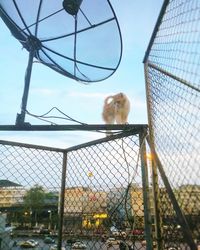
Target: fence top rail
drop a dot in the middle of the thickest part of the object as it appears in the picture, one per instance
(74, 127)
(129, 129)
(26, 145)
(139, 129)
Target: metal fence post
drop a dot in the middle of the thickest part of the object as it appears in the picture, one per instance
(146, 198)
(156, 202)
(158, 23)
(155, 186)
(62, 199)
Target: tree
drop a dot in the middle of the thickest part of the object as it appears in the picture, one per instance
(34, 201)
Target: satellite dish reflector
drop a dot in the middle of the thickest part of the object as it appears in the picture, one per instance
(80, 39)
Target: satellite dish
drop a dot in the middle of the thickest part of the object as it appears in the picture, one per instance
(80, 39)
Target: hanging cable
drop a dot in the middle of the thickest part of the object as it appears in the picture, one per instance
(46, 116)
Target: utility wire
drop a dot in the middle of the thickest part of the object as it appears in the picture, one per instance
(46, 116)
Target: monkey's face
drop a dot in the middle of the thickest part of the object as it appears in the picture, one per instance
(119, 100)
(118, 104)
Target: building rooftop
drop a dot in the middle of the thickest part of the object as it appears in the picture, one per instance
(7, 183)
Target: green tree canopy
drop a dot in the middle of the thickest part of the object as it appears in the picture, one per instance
(34, 200)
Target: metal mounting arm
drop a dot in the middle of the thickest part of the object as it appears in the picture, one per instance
(21, 117)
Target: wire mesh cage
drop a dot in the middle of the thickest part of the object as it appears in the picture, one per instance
(106, 194)
(30, 186)
(88, 196)
(104, 179)
(173, 93)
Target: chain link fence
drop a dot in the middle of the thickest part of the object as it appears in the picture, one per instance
(173, 91)
(106, 194)
(92, 193)
(30, 184)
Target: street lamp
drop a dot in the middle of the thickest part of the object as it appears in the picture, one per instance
(149, 156)
(50, 214)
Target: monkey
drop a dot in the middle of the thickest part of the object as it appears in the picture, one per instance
(116, 109)
(122, 108)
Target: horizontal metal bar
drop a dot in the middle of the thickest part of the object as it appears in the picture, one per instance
(76, 127)
(138, 129)
(186, 83)
(108, 138)
(130, 130)
(26, 145)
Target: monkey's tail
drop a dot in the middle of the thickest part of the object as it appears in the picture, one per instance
(107, 98)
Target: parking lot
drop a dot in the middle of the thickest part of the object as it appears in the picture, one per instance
(91, 244)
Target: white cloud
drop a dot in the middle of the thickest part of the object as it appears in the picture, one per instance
(89, 95)
(64, 139)
(45, 91)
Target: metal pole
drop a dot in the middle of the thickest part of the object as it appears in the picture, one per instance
(159, 20)
(155, 186)
(176, 78)
(62, 201)
(21, 117)
(145, 184)
(127, 128)
(156, 202)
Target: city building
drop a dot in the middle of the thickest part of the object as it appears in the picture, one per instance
(11, 194)
(84, 207)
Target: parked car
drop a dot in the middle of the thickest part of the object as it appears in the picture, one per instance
(55, 247)
(34, 242)
(138, 232)
(54, 233)
(28, 243)
(111, 242)
(119, 233)
(78, 245)
(49, 240)
(104, 237)
(71, 241)
(116, 233)
(36, 230)
(173, 248)
(144, 243)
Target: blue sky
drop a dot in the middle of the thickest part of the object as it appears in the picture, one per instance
(82, 102)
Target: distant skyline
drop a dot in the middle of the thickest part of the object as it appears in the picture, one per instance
(82, 102)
